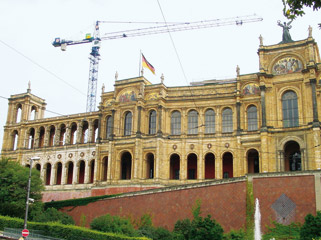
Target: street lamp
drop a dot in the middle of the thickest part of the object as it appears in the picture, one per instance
(28, 190)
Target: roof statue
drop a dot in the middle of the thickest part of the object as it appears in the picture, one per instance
(261, 40)
(237, 70)
(286, 37)
(310, 31)
(116, 76)
(29, 87)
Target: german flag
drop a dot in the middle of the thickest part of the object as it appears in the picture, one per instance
(146, 64)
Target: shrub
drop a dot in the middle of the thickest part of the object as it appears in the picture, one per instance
(311, 227)
(53, 215)
(205, 229)
(115, 224)
(183, 227)
(235, 235)
(67, 232)
(280, 231)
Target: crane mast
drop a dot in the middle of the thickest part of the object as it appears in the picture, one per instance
(94, 56)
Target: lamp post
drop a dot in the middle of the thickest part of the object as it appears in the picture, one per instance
(28, 190)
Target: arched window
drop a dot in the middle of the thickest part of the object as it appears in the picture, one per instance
(252, 118)
(290, 109)
(152, 122)
(33, 113)
(62, 135)
(41, 136)
(176, 123)
(227, 120)
(128, 124)
(94, 134)
(31, 139)
(52, 132)
(108, 127)
(18, 113)
(210, 121)
(192, 122)
(73, 134)
(84, 133)
(15, 138)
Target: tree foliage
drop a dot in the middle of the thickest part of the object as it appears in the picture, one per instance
(294, 8)
(114, 224)
(311, 228)
(13, 191)
(280, 231)
(199, 228)
(53, 215)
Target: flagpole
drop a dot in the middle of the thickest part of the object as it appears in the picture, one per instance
(140, 63)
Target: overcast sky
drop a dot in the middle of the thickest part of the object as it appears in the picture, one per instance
(28, 27)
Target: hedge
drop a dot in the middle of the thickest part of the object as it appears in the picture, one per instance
(76, 202)
(67, 232)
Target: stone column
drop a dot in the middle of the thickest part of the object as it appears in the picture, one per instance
(109, 166)
(53, 174)
(57, 135)
(159, 112)
(280, 161)
(68, 133)
(64, 174)
(36, 141)
(75, 173)
(90, 131)
(304, 161)
(157, 159)
(263, 127)
(314, 102)
(87, 168)
(139, 133)
(238, 118)
(43, 173)
(79, 132)
(97, 164)
(99, 129)
(112, 135)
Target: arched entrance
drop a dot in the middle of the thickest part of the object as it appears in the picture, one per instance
(70, 172)
(227, 165)
(292, 156)
(48, 173)
(253, 163)
(192, 166)
(150, 166)
(209, 166)
(105, 168)
(174, 166)
(92, 171)
(59, 173)
(81, 175)
(126, 165)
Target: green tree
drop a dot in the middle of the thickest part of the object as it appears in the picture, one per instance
(199, 228)
(13, 191)
(294, 8)
(206, 229)
(53, 215)
(311, 228)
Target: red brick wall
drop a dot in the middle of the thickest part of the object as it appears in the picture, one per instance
(64, 195)
(300, 189)
(224, 202)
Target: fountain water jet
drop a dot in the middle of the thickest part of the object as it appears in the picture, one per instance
(257, 221)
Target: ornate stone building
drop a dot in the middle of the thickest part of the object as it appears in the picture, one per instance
(149, 135)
